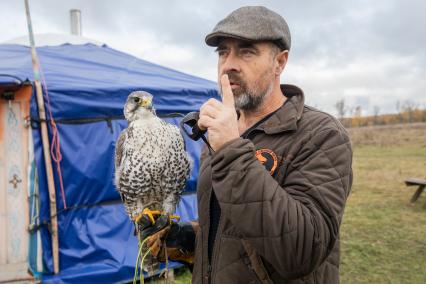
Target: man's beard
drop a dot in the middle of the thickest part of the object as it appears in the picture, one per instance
(250, 99)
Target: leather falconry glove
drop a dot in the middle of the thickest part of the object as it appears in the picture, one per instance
(175, 242)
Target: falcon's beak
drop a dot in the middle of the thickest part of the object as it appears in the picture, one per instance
(145, 103)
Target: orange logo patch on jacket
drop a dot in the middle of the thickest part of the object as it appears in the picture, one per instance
(268, 158)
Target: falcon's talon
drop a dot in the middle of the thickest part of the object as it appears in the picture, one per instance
(150, 214)
(174, 217)
(137, 218)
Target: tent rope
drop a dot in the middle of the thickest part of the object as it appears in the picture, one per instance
(55, 147)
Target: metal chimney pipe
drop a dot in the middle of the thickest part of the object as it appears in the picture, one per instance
(75, 17)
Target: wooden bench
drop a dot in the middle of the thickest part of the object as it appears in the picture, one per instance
(421, 183)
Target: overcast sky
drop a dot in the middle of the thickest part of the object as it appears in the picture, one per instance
(371, 53)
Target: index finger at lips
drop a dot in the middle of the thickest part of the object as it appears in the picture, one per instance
(227, 95)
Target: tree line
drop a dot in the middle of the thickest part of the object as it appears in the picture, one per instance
(406, 112)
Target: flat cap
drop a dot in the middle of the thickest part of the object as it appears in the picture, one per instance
(252, 23)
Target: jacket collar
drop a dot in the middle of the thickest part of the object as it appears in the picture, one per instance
(286, 117)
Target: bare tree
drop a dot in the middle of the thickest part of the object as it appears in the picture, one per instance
(398, 109)
(376, 110)
(410, 107)
(358, 111)
(341, 108)
(356, 116)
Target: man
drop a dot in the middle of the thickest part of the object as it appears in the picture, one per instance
(272, 191)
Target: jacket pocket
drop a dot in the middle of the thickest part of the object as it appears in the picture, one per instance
(231, 265)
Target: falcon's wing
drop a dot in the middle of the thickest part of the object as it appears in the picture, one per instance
(119, 148)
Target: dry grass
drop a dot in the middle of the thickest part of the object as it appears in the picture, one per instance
(390, 136)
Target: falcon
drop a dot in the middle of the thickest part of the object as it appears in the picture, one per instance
(151, 164)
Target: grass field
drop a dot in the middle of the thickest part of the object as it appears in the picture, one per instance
(383, 236)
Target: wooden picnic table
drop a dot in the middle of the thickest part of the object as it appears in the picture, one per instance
(421, 183)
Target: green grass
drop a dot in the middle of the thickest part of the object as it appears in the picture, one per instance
(182, 276)
(383, 236)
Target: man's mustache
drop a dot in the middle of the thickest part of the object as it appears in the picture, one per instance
(235, 78)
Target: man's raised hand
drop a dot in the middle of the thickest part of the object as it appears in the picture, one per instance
(220, 118)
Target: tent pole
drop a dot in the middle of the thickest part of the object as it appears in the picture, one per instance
(46, 145)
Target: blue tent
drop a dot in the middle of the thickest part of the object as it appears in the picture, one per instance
(87, 86)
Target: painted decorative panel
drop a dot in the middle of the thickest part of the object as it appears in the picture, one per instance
(13, 178)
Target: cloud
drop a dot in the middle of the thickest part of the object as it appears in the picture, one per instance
(371, 53)
(365, 81)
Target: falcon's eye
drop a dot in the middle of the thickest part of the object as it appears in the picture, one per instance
(137, 100)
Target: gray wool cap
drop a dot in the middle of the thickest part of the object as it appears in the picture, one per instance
(252, 23)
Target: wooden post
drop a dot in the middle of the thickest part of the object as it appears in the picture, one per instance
(46, 145)
(417, 194)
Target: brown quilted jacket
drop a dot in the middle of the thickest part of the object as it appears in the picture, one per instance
(286, 201)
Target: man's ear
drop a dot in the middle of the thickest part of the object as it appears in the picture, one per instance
(281, 60)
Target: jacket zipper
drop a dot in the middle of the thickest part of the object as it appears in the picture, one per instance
(216, 248)
(206, 254)
(209, 267)
(209, 271)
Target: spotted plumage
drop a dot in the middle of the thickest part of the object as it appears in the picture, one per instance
(151, 162)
